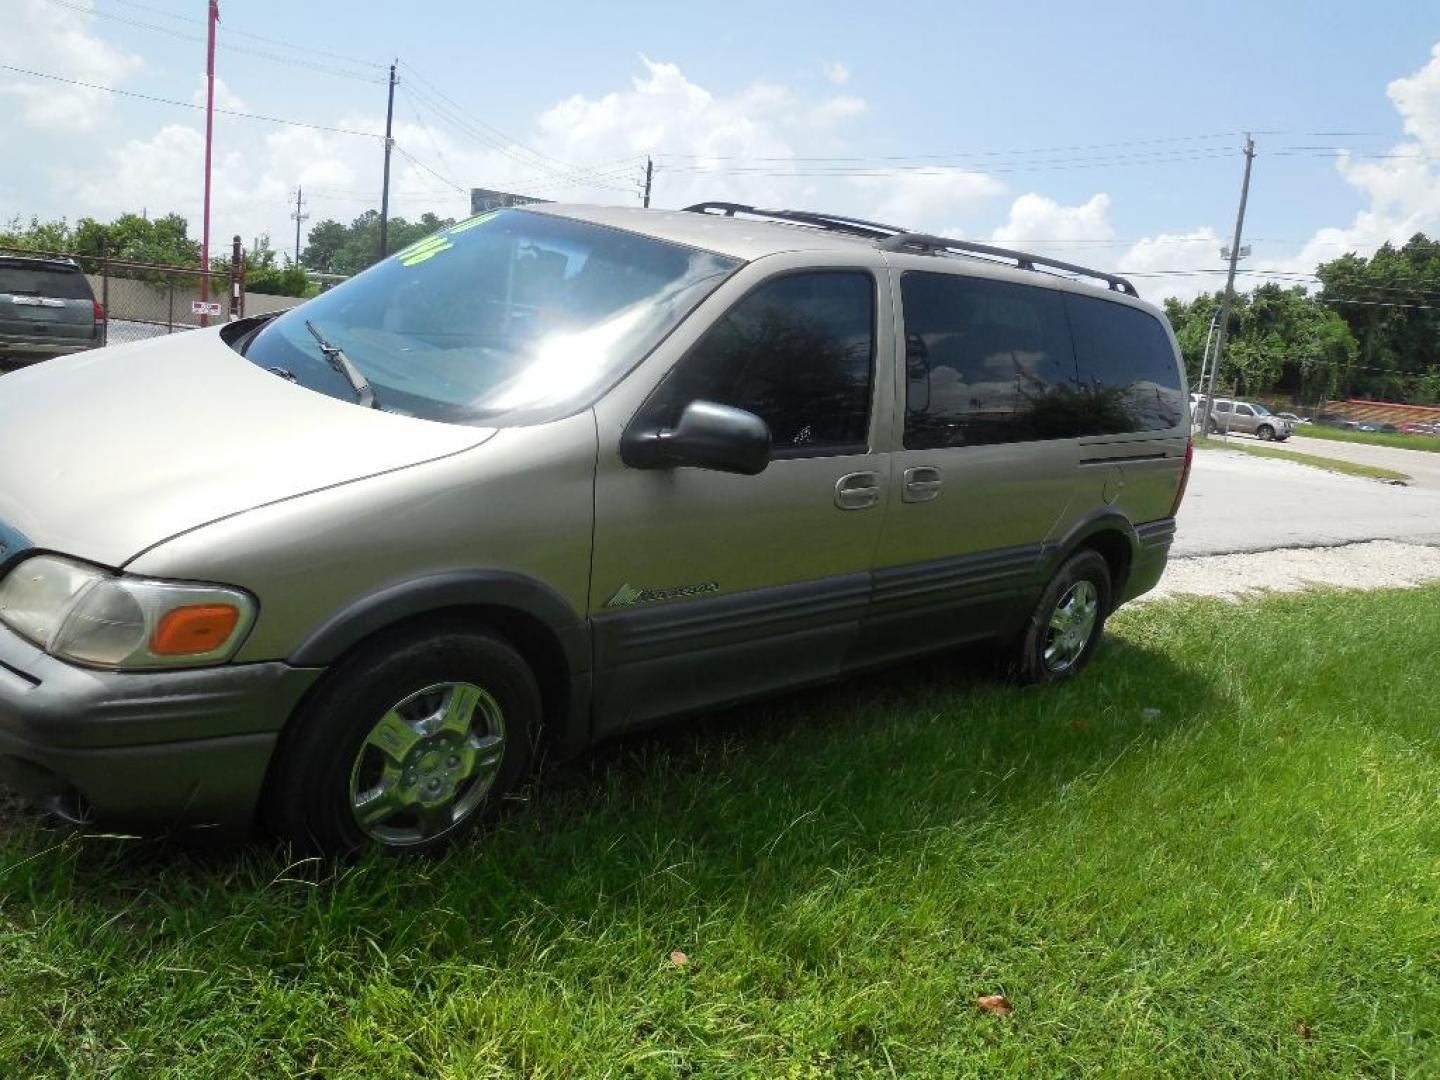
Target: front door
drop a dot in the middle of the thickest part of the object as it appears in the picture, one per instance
(709, 587)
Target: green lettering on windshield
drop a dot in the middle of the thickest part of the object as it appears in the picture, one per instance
(433, 245)
(425, 249)
(470, 223)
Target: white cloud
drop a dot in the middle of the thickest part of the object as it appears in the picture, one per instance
(837, 73)
(1039, 218)
(1401, 189)
(1176, 260)
(225, 98)
(938, 200)
(59, 40)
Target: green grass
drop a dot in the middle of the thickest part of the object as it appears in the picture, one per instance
(1429, 443)
(1349, 468)
(1216, 854)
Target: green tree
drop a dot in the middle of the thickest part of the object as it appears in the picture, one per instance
(1391, 303)
(266, 271)
(332, 248)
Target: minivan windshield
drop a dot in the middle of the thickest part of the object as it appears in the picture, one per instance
(509, 317)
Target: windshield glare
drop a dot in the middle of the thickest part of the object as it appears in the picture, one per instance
(1260, 410)
(510, 317)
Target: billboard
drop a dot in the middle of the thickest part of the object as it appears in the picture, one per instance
(482, 199)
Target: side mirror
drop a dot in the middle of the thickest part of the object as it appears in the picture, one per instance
(707, 436)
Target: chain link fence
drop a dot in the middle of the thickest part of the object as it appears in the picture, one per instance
(144, 300)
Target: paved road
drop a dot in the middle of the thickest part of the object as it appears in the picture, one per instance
(1238, 502)
(1423, 467)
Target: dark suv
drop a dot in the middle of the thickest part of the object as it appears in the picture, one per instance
(47, 308)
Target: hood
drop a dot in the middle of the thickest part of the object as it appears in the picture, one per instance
(106, 453)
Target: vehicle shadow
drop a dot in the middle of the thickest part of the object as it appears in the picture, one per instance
(732, 814)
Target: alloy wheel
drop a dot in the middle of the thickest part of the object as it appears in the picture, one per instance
(427, 764)
(1072, 624)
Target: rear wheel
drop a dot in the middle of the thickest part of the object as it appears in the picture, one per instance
(405, 744)
(1066, 623)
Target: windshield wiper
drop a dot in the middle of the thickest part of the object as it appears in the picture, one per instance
(341, 363)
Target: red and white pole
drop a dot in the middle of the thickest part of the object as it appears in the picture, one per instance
(209, 139)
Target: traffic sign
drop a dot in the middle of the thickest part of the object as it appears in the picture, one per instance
(204, 307)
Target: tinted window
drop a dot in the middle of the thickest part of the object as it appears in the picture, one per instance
(509, 317)
(986, 362)
(1220, 406)
(57, 284)
(1126, 366)
(798, 352)
(1244, 410)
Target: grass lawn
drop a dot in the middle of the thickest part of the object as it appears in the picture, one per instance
(1216, 854)
(1259, 449)
(1375, 438)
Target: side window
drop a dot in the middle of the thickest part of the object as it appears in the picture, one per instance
(1220, 406)
(985, 362)
(1244, 410)
(799, 352)
(1127, 368)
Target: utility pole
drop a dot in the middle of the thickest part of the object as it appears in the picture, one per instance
(649, 176)
(1229, 301)
(385, 187)
(209, 140)
(299, 215)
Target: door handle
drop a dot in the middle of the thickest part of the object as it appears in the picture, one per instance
(922, 484)
(857, 491)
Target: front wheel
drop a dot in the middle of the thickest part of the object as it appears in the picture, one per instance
(1066, 623)
(1266, 433)
(405, 744)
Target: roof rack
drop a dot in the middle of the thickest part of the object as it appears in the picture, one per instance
(894, 238)
(870, 230)
(924, 244)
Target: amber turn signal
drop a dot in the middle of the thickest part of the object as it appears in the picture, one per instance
(190, 631)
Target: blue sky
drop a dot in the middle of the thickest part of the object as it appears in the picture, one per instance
(1098, 131)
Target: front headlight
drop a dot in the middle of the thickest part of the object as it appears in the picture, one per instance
(92, 616)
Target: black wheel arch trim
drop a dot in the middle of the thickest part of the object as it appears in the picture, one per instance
(1087, 529)
(411, 597)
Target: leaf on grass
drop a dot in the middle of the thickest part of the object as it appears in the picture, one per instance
(1304, 1031)
(679, 959)
(995, 1004)
(1079, 725)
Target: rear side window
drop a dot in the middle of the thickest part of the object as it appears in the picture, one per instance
(1126, 366)
(799, 352)
(55, 283)
(986, 362)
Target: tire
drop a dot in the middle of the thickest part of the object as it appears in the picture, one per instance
(408, 726)
(1036, 656)
(1266, 433)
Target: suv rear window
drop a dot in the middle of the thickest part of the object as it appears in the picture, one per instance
(1127, 365)
(994, 362)
(56, 282)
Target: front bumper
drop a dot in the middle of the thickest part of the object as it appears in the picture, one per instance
(144, 751)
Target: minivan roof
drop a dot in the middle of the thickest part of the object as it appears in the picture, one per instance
(741, 238)
(752, 234)
(57, 262)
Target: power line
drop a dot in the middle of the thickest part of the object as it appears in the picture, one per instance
(312, 49)
(183, 36)
(415, 111)
(421, 165)
(186, 104)
(469, 124)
